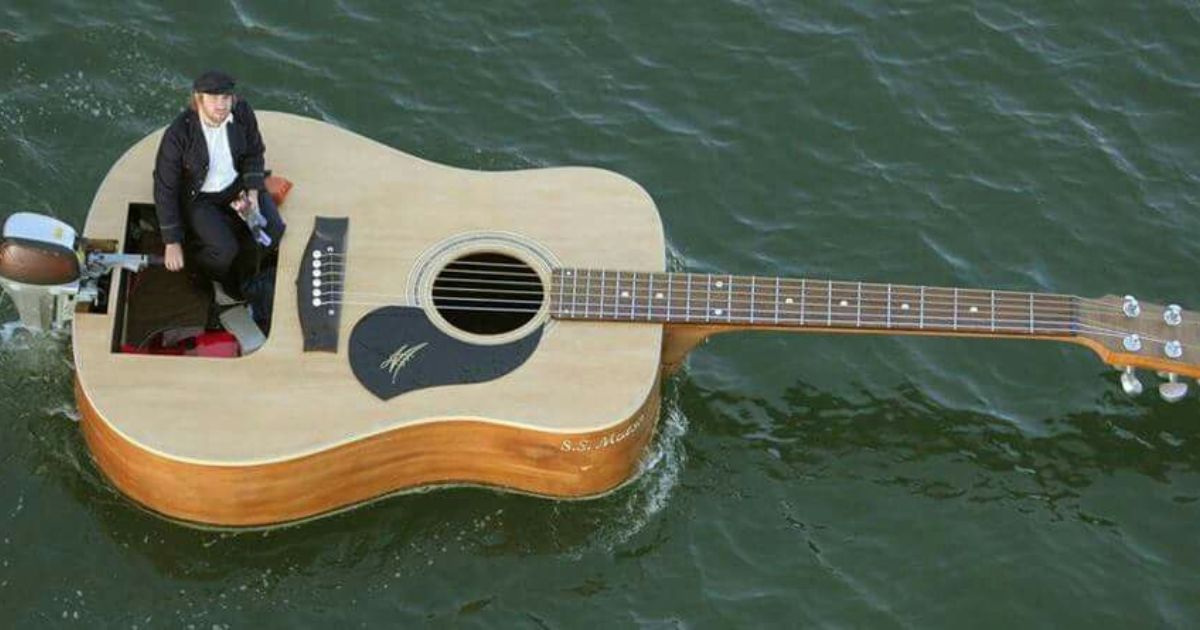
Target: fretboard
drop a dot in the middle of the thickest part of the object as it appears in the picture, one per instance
(719, 299)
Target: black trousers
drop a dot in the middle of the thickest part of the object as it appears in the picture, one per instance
(221, 244)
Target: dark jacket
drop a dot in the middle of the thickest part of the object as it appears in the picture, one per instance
(182, 164)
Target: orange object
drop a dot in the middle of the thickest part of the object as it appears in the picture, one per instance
(279, 188)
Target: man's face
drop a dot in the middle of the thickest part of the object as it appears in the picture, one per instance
(215, 107)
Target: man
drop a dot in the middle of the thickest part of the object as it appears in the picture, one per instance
(210, 157)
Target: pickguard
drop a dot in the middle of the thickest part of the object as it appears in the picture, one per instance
(396, 349)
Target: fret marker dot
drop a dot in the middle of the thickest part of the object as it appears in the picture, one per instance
(624, 294)
(974, 309)
(568, 273)
(843, 303)
(718, 311)
(720, 284)
(658, 295)
(904, 307)
(788, 301)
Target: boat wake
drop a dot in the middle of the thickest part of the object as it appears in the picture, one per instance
(8, 330)
(637, 504)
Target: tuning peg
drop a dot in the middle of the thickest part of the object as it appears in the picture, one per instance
(1173, 390)
(1130, 306)
(1173, 315)
(1130, 382)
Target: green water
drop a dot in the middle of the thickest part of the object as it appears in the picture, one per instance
(796, 480)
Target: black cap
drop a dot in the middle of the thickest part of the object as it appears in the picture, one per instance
(213, 82)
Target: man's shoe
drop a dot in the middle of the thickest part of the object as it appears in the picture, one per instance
(221, 297)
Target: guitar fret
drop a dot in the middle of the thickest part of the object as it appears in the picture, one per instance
(572, 306)
(729, 305)
(633, 296)
(708, 299)
(776, 299)
(858, 311)
(650, 297)
(1031, 320)
(562, 302)
(889, 305)
(802, 296)
(954, 315)
(688, 298)
(921, 324)
(603, 273)
(751, 299)
(587, 295)
(993, 309)
(670, 290)
(829, 307)
(618, 294)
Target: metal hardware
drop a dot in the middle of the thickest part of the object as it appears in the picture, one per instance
(1173, 315)
(1132, 343)
(45, 293)
(1131, 308)
(1173, 390)
(1130, 382)
(1173, 349)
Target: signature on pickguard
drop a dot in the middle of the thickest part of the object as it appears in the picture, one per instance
(400, 358)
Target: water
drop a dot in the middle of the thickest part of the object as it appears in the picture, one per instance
(797, 479)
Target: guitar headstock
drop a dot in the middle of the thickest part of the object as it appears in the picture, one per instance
(1128, 334)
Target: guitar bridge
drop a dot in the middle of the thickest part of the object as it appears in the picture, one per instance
(320, 282)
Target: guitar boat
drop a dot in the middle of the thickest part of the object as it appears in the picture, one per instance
(433, 325)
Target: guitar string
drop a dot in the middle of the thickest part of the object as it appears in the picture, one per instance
(963, 322)
(1059, 327)
(528, 273)
(933, 319)
(746, 301)
(1004, 303)
(1002, 306)
(964, 293)
(873, 287)
(931, 308)
(868, 291)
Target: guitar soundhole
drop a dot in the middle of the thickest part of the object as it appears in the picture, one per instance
(487, 293)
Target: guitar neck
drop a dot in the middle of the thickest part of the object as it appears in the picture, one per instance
(771, 302)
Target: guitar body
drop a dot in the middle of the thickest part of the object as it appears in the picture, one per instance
(396, 398)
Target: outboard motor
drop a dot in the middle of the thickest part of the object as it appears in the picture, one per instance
(46, 269)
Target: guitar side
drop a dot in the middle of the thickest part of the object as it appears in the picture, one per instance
(446, 452)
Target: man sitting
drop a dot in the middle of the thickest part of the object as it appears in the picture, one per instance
(210, 161)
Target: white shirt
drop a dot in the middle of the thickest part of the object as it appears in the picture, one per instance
(220, 160)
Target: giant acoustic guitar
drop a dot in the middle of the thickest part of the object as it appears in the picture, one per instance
(434, 325)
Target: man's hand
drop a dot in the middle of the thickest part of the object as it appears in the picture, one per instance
(173, 257)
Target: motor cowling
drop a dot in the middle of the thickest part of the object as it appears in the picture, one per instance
(40, 269)
(38, 250)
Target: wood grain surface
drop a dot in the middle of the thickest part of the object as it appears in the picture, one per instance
(449, 452)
